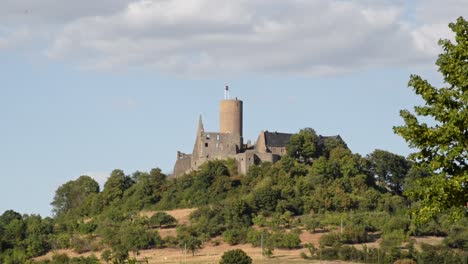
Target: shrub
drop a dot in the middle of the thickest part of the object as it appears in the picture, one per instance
(162, 219)
(354, 235)
(234, 236)
(236, 256)
(330, 239)
(457, 238)
(392, 240)
(288, 241)
(348, 253)
(254, 237)
(328, 253)
(80, 244)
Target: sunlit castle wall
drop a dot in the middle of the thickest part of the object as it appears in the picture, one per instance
(231, 121)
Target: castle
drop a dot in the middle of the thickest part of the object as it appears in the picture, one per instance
(229, 142)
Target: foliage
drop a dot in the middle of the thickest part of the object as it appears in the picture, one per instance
(236, 256)
(161, 219)
(235, 236)
(442, 143)
(389, 169)
(304, 145)
(73, 194)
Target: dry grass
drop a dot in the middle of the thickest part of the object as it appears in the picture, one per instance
(212, 254)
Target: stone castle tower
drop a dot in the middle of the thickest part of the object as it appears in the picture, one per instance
(229, 142)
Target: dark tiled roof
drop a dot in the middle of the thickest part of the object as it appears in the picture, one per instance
(275, 139)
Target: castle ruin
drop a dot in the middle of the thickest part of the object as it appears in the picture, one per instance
(229, 142)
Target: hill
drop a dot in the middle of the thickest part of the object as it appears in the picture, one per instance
(320, 202)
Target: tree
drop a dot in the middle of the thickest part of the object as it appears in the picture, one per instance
(236, 256)
(116, 185)
(443, 143)
(162, 219)
(191, 243)
(304, 145)
(389, 169)
(73, 194)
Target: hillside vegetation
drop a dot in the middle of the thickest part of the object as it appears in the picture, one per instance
(318, 187)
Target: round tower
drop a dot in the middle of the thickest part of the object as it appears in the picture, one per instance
(231, 116)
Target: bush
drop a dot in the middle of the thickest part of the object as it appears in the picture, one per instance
(287, 241)
(437, 255)
(348, 253)
(236, 256)
(354, 235)
(392, 240)
(81, 244)
(162, 219)
(328, 253)
(234, 236)
(457, 238)
(254, 237)
(330, 239)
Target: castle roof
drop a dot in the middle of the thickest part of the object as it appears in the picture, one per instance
(275, 139)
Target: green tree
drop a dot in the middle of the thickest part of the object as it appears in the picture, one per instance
(191, 243)
(115, 186)
(73, 194)
(162, 219)
(304, 145)
(236, 256)
(443, 143)
(389, 169)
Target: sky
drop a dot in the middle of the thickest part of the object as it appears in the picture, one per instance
(91, 86)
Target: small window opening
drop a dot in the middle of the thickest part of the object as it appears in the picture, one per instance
(206, 145)
(217, 137)
(208, 136)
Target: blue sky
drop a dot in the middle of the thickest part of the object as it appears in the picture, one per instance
(87, 88)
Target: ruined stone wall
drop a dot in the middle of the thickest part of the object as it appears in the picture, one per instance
(183, 164)
(280, 151)
(211, 146)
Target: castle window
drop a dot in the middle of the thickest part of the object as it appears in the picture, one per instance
(217, 137)
(206, 145)
(208, 136)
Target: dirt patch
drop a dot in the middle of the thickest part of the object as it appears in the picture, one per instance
(168, 232)
(310, 238)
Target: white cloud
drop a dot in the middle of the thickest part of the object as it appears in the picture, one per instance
(204, 37)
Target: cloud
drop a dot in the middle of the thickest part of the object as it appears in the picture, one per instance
(11, 39)
(212, 37)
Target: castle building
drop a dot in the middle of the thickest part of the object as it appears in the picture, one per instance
(229, 142)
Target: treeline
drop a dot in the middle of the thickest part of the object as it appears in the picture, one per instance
(319, 186)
